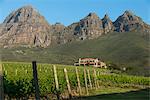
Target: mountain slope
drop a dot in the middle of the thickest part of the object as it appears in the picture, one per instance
(127, 49)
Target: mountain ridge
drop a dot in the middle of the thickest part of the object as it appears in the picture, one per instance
(27, 27)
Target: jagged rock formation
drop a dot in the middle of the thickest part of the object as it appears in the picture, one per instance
(129, 22)
(107, 24)
(89, 27)
(26, 27)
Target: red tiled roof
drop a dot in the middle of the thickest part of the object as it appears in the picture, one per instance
(88, 58)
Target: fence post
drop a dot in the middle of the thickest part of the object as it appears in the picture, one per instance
(95, 79)
(1, 83)
(79, 86)
(35, 76)
(98, 80)
(98, 73)
(56, 82)
(68, 84)
(89, 78)
(85, 78)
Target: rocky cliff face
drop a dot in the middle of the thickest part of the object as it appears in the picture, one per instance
(26, 27)
(129, 22)
(89, 27)
(56, 31)
(107, 24)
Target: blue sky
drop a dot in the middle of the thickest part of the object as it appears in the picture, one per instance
(69, 11)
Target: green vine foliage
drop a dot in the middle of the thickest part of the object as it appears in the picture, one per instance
(18, 79)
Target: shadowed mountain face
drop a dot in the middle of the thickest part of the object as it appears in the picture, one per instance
(26, 27)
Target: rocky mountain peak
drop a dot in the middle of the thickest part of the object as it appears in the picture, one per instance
(106, 16)
(129, 16)
(89, 27)
(128, 22)
(27, 27)
(22, 14)
(129, 13)
(28, 7)
(107, 24)
(91, 15)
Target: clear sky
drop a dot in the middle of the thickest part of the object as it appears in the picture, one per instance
(69, 11)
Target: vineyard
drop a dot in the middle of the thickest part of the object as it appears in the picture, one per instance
(18, 80)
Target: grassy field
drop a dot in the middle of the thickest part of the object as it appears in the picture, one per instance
(128, 49)
(18, 81)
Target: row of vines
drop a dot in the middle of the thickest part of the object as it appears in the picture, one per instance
(18, 80)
